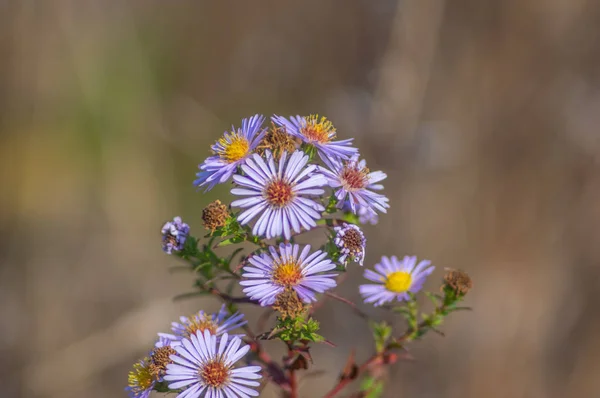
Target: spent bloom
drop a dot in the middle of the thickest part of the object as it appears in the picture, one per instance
(230, 152)
(160, 358)
(215, 215)
(216, 324)
(174, 233)
(269, 275)
(318, 132)
(395, 279)
(279, 193)
(353, 184)
(351, 242)
(206, 369)
(140, 380)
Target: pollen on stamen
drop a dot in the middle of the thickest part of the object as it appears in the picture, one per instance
(140, 378)
(279, 193)
(235, 147)
(215, 373)
(318, 130)
(398, 282)
(200, 325)
(287, 274)
(353, 178)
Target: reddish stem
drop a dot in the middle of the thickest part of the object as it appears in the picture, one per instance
(292, 377)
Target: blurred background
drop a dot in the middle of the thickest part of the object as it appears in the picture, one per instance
(483, 113)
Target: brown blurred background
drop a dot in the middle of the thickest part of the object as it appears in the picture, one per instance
(483, 113)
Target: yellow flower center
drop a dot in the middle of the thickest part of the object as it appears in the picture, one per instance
(398, 282)
(287, 274)
(235, 148)
(215, 373)
(140, 378)
(200, 324)
(318, 130)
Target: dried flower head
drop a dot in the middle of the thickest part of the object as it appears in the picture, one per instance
(277, 140)
(288, 304)
(215, 215)
(160, 358)
(458, 280)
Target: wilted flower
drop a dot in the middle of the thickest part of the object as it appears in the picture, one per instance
(318, 132)
(279, 193)
(269, 275)
(174, 233)
(352, 243)
(216, 324)
(353, 184)
(160, 358)
(140, 381)
(459, 281)
(278, 141)
(205, 369)
(215, 215)
(230, 152)
(395, 279)
(288, 304)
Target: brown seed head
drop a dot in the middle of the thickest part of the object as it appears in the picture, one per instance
(159, 361)
(353, 241)
(288, 304)
(277, 141)
(215, 215)
(458, 280)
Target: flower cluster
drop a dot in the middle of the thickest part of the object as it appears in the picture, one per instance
(293, 177)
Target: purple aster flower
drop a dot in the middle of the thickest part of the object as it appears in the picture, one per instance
(205, 369)
(395, 279)
(352, 243)
(354, 184)
(140, 380)
(174, 233)
(270, 275)
(216, 324)
(279, 193)
(230, 152)
(318, 132)
(366, 215)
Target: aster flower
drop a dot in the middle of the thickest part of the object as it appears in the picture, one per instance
(395, 279)
(318, 132)
(205, 368)
(279, 193)
(366, 215)
(354, 184)
(269, 275)
(174, 233)
(216, 324)
(230, 152)
(140, 381)
(351, 241)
